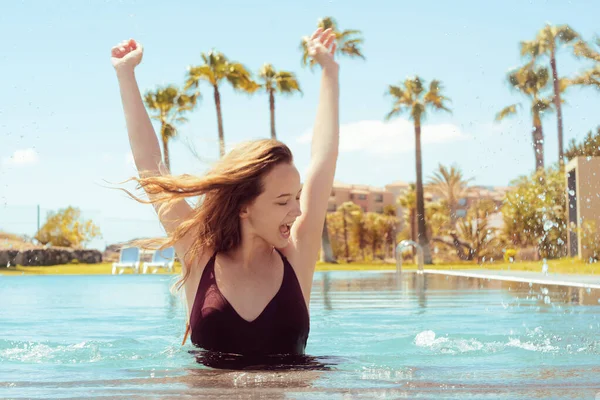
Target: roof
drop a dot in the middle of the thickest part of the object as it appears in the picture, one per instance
(398, 184)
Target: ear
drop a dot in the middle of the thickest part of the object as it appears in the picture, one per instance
(244, 212)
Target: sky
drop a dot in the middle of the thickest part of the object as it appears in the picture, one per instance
(63, 140)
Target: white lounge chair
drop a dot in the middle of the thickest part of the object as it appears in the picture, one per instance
(161, 259)
(129, 258)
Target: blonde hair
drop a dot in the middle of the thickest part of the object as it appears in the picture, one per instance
(233, 182)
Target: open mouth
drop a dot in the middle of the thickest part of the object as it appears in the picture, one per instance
(285, 230)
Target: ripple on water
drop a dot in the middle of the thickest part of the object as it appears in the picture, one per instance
(120, 350)
(534, 340)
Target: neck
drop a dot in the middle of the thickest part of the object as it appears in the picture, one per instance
(252, 251)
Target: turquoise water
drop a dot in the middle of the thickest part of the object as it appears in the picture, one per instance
(373, 335)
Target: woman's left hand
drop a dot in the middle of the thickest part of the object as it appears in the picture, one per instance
(321, 48)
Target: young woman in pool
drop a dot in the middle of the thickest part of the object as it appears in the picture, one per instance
(249, 248)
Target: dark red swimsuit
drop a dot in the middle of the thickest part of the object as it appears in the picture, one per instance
(282, 327)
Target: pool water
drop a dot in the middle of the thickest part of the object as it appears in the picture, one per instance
(373, 335)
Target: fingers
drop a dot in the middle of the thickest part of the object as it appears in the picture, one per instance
(316, 34)
(116, 51)
(333, 48)
(328, 40)
(125, 47)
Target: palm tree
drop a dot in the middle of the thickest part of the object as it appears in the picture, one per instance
(351, 215)
(272, 82)
(530, 80)
(412, 98)
(589, 77)
(167, 105)
(449, 184)
(215, 69)
(547, 42)
(375, 225)
(348, 42)
(408, 201)
(390, 223)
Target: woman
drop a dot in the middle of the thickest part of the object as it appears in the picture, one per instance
(249, 248)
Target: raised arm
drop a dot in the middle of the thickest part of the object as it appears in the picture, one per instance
(142, 138)
(306, 232)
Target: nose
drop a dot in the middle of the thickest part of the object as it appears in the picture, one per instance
(297, 211)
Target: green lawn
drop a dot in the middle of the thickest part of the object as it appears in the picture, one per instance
(567, 265)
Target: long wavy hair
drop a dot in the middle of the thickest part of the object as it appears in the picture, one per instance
(233, 182)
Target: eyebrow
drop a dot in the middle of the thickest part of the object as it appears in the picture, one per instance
(288, 194)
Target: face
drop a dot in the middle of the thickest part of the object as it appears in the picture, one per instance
(273, 212)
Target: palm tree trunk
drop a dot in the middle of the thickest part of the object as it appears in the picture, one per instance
(327, 252)
(347, 250)
(538, 141)
(413, 230)
(557, 103)
(413, 224)
(374, 248)
(421, 230)
(272, 108)
(220, 122)
(165, 143)
(452, 206)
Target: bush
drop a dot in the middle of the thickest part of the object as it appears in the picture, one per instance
(509, 255)
(65, 229)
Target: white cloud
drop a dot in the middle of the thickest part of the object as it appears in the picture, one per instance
(22, 157)
(397, 136)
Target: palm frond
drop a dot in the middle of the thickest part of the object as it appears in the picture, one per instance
(588, 78)
(197, 74)
(168, 131)
(348, 32)
(583, 49)
(287, 82)
(507, 111)
(414, 86)
(326, 23)
(434, 96)
(530, 48)
(239, 77)
(397, 110)
(351, 50)
(397, 92)
(545, 105)
(565, 34)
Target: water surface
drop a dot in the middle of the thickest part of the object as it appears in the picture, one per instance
(373, 335)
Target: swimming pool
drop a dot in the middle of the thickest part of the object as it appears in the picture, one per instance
(373, 335)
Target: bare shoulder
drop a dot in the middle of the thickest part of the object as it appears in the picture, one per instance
(196, 269)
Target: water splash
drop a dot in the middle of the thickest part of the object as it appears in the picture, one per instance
(535, 340)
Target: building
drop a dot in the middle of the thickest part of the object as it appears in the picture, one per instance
(374, 199)
(369, 198)
(475, 194)
(582, 176)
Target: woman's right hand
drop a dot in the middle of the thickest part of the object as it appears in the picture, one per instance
(126, 55)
